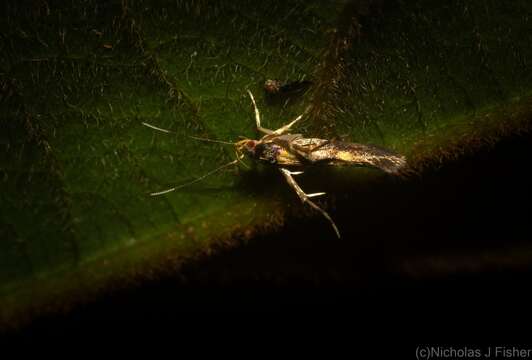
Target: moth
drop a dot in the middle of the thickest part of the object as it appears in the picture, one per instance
(291, 153)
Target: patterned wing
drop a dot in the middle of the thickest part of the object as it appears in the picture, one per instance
(344, 153)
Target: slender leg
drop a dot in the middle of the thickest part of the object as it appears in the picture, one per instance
(287, 127)
(306, 197)
(257, 116)
(279, 131)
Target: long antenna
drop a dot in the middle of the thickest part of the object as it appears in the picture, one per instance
(196, 180)
(201, 177)
(211, 140)
(190, 136)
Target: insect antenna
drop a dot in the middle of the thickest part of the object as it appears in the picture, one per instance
(234, 162)
(211, 140)
(190, 136)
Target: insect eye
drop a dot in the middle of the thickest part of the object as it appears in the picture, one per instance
(250, 144)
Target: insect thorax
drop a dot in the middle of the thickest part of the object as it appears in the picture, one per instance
(274, 153)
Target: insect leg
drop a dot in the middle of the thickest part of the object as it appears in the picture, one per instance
(306, 197)
(284, 129)
(257, 116)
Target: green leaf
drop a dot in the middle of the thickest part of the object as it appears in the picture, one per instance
(428, 79)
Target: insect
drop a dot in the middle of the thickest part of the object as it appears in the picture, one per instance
(274, 87)
(277, 92)
(291, 153)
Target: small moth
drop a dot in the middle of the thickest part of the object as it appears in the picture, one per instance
(291, 153)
